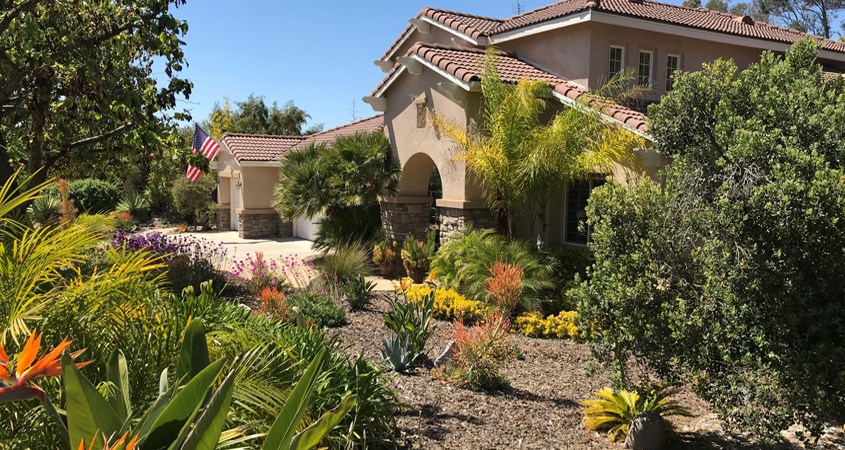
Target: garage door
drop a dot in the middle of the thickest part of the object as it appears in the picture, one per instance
(307, 228)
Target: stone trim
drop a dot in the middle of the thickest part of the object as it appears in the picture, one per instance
(457, 219)
(224, 217)
(257, 225)
(399, 219)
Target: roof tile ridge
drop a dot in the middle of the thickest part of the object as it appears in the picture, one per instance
(339, 127)
(277, 136)
(458, 13)
(456, 48)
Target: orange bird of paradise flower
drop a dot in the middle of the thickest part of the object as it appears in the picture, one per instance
(129, 445)
(16, 382)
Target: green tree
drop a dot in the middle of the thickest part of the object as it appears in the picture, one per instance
(812, 16)
(692, 3)
(253, 116)
(730, 278)
(75, 77)
(717, 5)
(194, 200)
(342, 183)
(521, 161)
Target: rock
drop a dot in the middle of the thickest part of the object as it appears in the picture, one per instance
(647, 432)
(445, 358)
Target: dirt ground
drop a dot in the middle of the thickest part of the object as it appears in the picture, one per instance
(540, 410)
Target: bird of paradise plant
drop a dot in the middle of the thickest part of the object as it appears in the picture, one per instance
(16, 379)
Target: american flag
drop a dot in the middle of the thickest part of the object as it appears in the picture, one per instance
(206, 146)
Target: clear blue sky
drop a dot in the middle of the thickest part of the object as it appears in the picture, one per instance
(318, 53)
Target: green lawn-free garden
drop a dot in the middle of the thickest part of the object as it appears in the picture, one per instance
(709, 296)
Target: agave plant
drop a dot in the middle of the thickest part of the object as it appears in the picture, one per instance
(135, 204)
(613, 411)
(398, 355)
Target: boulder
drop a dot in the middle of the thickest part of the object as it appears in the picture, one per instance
(647, 432)
(445, 358)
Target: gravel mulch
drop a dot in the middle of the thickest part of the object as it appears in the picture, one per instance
(540, 410)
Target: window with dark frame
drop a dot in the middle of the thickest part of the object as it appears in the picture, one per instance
(576, 210)
(644, 69)
(616, 61)
(673, 65)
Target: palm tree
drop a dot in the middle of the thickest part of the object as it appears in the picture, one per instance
(521, 161)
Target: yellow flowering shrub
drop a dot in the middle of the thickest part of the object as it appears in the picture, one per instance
(561, 326)
(450, 305)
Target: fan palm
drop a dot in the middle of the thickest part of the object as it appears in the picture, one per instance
(520, 160)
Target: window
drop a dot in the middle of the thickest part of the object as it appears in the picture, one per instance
(617, 60)
(644, 70)
(576, 210)
(673, 65)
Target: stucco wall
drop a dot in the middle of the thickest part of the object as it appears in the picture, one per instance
(413, 144)
(564, 51)
(258, 184)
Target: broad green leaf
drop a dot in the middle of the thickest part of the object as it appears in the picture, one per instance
(88, 413)
(166, 427)
(117, 373)
(206, 433)
(318, 430)
(193, 357)
(284, 428)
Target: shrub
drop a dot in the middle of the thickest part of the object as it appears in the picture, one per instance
(358, 292)
(345, 262)
(449, 305)
(193, 200)
(560, 326)
(320, 309)
(189, 261)
(274, 304)
(135, 204)
(729, 277)
(505, 286)
(255, 273)
(480, 352)
(90, 195)
(463, 264)
(568, 269)
(613, 411)
(122, 221)
(416, 255)
(45, 210)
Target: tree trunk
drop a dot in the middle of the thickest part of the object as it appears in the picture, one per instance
(35, 144)
(6, 169)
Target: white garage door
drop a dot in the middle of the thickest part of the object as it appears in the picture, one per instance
(306, 228)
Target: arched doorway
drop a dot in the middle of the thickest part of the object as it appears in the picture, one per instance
(414, 209)
(435, 191)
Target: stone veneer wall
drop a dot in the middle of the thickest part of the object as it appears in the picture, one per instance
(456, 220)
(399, 219)
(224, 217)
(253, 226)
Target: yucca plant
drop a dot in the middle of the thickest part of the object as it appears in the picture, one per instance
(45, 210)
(613, 411)
(135, 204)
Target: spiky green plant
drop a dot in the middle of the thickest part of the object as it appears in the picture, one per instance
(135, 204)
(613, 411)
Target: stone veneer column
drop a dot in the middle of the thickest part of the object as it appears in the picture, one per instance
(456, 215)
(262, 223)
(403, 215)
(224, 217)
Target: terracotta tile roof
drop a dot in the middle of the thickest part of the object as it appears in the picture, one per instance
(259, 147)
(477, 27)
(663, 12)
(465, 64)
(370, 124)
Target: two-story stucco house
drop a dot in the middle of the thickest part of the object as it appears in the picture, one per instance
(575, 45)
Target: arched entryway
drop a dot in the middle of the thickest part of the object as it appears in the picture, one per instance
(414, 209)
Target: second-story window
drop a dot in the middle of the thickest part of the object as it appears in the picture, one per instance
(673, 65)
(617, 61)
(644, 70)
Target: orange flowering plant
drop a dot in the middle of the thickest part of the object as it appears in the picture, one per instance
(16, 379)
(505, 286)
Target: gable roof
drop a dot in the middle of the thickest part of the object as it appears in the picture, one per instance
(478, 27)
(370, 124)
(259, 147)
(465, 64)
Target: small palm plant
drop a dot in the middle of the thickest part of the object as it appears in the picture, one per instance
(613, 411)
